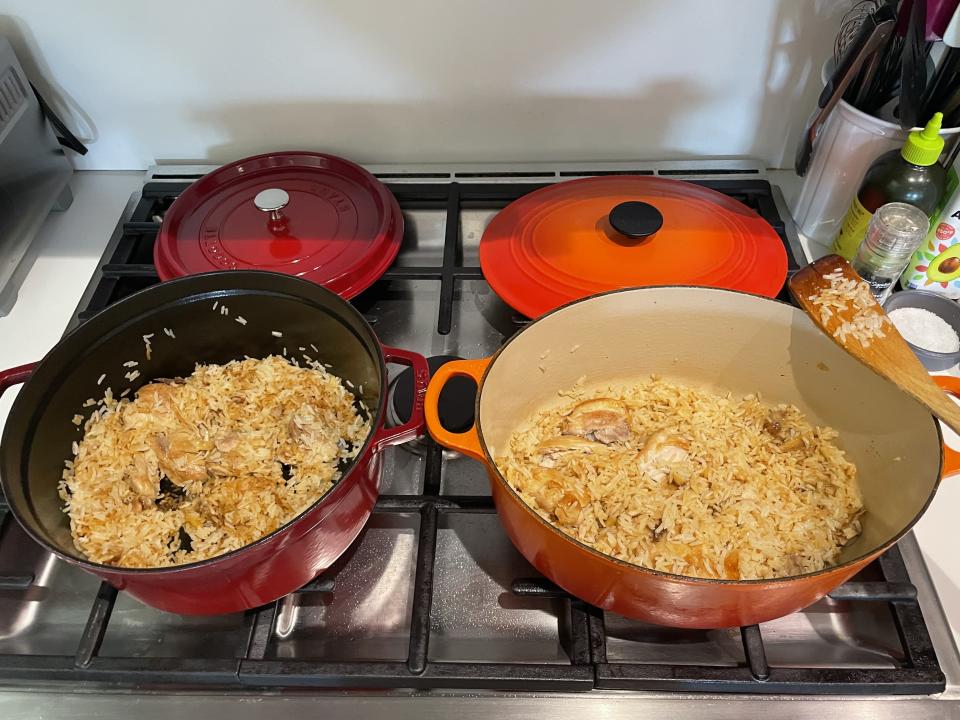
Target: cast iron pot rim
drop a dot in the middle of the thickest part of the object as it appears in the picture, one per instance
(217, 559)
(495, 470)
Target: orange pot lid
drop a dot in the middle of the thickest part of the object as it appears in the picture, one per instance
(581, 237)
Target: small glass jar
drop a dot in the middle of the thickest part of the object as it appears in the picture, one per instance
(895, 232)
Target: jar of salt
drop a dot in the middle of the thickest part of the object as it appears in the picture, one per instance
(925, 329)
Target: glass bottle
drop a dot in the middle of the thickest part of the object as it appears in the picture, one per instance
(909, 175)
(893, 235)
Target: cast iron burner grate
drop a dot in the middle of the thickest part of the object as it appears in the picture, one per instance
(583, 630)
(130, 266)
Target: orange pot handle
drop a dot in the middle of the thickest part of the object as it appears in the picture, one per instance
(467, 442)
(951, 457)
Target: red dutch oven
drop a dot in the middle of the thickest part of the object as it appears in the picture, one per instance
(39, 431)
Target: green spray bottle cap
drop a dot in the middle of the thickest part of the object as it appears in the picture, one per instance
(924, 147)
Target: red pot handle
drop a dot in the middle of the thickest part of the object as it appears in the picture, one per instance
(15, 376)
(951, 457)
(421, 377)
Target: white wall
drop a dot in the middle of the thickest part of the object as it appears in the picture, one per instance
(428, 80)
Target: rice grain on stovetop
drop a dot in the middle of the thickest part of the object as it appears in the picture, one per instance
(194, 468)
(688, 481)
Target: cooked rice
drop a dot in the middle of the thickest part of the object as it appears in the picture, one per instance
(132, 375)
(101, 379)
(169, 333)
(688, 481)
(131, 363)
(191, 469)
(276, 333)
(854, 306)
(241, 319)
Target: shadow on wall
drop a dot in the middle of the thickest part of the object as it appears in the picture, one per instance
(499, 124)
(28, 52)
(450, 81)
(793, 74)
(393, 128)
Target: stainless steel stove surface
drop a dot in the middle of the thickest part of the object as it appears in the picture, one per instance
(433, 612)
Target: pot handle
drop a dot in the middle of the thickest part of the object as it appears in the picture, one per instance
(951, 457)
(15, 376)
(467, 442)
(421, 376)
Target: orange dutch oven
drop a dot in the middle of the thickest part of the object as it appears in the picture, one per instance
(715, 338)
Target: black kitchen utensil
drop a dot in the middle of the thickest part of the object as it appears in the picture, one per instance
(913, 67)
(943, 91)
(944, 86)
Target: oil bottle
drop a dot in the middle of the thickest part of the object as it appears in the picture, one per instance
(910, 175)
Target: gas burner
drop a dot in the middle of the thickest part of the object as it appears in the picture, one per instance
(455, 406)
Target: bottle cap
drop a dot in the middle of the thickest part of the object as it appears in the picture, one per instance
(924, 147)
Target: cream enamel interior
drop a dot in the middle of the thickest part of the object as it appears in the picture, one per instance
(737, 342)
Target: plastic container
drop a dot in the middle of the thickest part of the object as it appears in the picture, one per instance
(849, 141)
(910, 175)
(939, 305)
(895, 232)
(935, 266)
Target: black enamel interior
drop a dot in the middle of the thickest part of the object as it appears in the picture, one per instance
(38, 434)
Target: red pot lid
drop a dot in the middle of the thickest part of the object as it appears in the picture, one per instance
(315, 216)
(581, 237)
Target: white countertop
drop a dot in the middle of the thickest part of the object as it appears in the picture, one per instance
(63, 258)
(71, 243)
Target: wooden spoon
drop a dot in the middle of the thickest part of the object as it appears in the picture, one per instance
(889, 355)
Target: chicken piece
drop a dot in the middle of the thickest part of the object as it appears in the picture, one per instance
(303, 426)
(142, 476)
(662, 447)
(226, 460)
(547, 450)
(545, 486)
(225, 442)
(787, 438)
(774, 423)
(602, 419)
(660, 451)
(180, 456)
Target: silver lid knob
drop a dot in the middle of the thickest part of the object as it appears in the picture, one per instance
(271, 200)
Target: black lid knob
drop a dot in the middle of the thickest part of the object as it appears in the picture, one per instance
(635, 219)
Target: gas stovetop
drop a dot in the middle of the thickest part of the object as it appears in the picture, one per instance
(433, 600)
